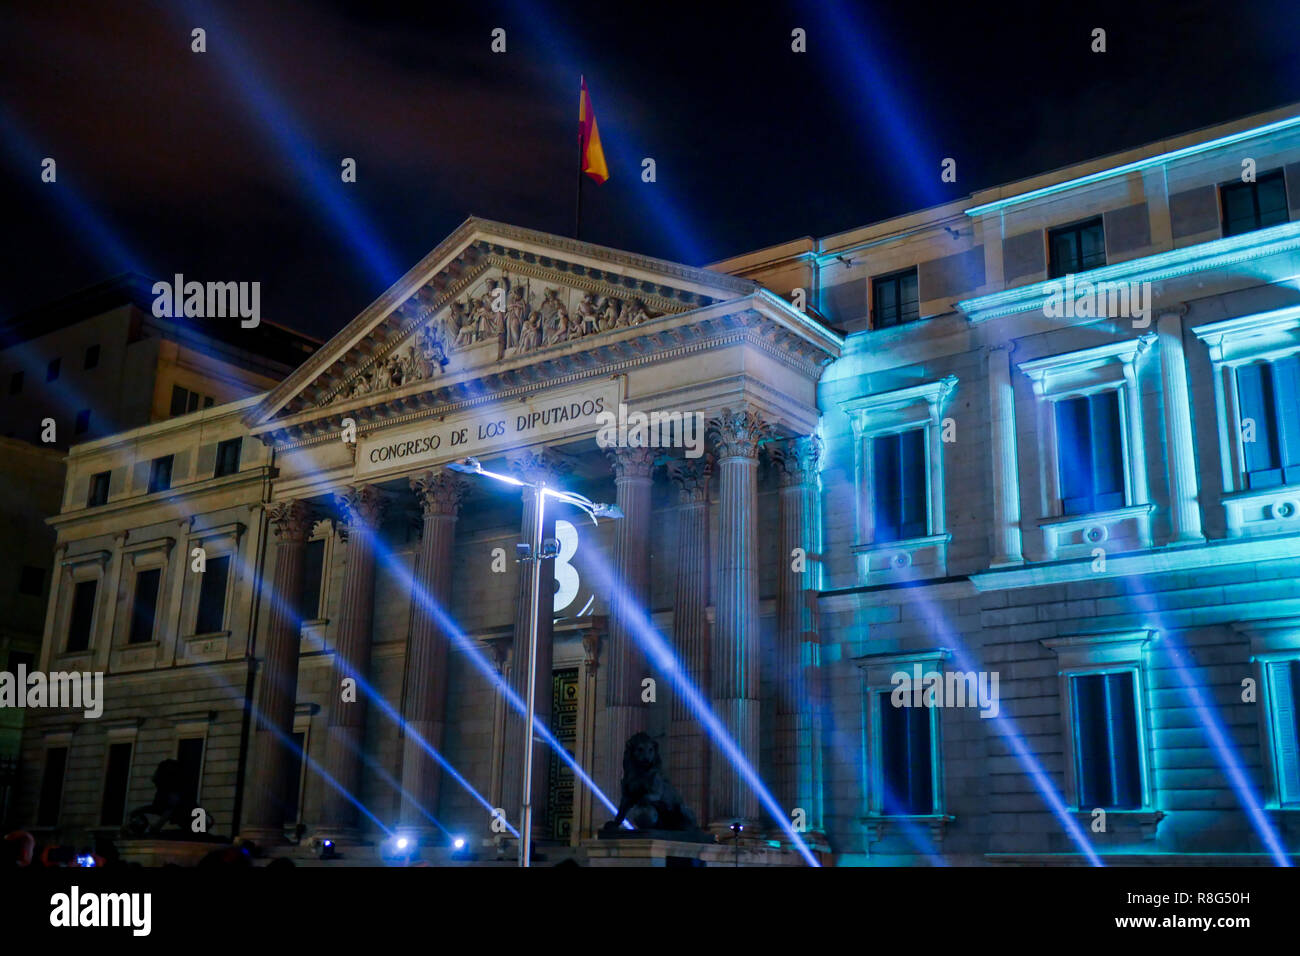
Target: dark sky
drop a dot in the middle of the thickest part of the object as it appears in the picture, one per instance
(225, 165)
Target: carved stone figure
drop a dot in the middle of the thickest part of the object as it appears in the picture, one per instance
(588, 316)
(516, 312)
(530, 334)
(648, 800)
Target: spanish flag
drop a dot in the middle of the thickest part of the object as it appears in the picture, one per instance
(593, 157)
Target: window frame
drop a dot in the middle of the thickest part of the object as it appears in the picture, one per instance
(1273, 641)
(1237, 185)
(1232, 343)
(154, 467)
(1078, 228)
(895, 277)
(90, 491)
(1070, 375)
(238, 444)
(1085, 655)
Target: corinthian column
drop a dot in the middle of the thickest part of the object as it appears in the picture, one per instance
(531, 466)
(625, 663)
(688, 752)
(734, 654)
(798, 645)
(363, 507)
(274, 763)
(440, 495)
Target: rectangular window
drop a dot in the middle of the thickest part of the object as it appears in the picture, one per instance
(1284, 691)
(894, 299)
(1250, 206)
(1076, 248)
(98, 490)
(160, 474)
(906, 764)
(82, 617)
(113, 807)
(145, 607)
(189, 752)
(56, 762)
(1090, 453)
(1107, 763)
(212, 596)
(1270, 421)
(83, 422)
(15, 383)
(898, 472)
(52, 370)
(179, 397)
(313, 567)
(228, 457)
(31, 580)
(207, 401)
(92, 357)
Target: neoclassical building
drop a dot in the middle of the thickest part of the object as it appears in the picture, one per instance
(1038, 450)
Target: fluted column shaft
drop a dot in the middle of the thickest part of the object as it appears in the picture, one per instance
(531, 466)
(734, 657)
(426, 661)
(688, 750)
(275, 763)
(626, 665)
(1184, 503)
(797, 736)
(363, 506)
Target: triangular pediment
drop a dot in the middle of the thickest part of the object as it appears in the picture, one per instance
(489, 296)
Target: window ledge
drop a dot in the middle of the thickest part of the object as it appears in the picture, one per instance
(1262, 511)
(881, 825)
(1072, 536)
(1124, 821)
(908, 560)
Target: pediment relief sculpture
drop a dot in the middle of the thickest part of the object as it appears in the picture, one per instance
(520, 315)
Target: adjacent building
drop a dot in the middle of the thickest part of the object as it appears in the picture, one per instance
(992, 557)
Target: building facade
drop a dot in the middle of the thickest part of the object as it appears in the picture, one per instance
(991, 556)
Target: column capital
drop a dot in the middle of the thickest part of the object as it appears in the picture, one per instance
(796, 459)
(439, 492)
(691, 476)
(538, 464)
(632, 462)
(363, 505)
(737, 432)
(291, 520)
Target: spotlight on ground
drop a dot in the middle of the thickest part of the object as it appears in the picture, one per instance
(325, 850)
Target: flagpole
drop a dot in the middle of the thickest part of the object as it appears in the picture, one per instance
(577, 215)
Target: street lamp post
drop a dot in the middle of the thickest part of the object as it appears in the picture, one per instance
(536, 554)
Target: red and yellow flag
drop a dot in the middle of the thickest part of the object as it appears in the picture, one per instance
(593, 156)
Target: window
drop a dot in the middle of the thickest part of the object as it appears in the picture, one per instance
(52, 370)
(1104, 714)
(31, 580)
(189, 753)
(15, 383)
(313, 568)
(82, 617)
(1257, 205)
(228, 457)
(906, 758)
(898, 470)
(56, 762)
(1284, 724)
(116, 778)
(184, 401)
(98, 490)
(1077, 248)
(894, 299)
(160, 474)
(92, 357)
(1270, 421)
(83, 422)
(212, 596)
(1107, 764)
(1090, 453)
(145, 606)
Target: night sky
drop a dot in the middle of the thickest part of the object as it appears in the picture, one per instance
(225, 165)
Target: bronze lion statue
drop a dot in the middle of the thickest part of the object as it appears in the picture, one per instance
(648, 800)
